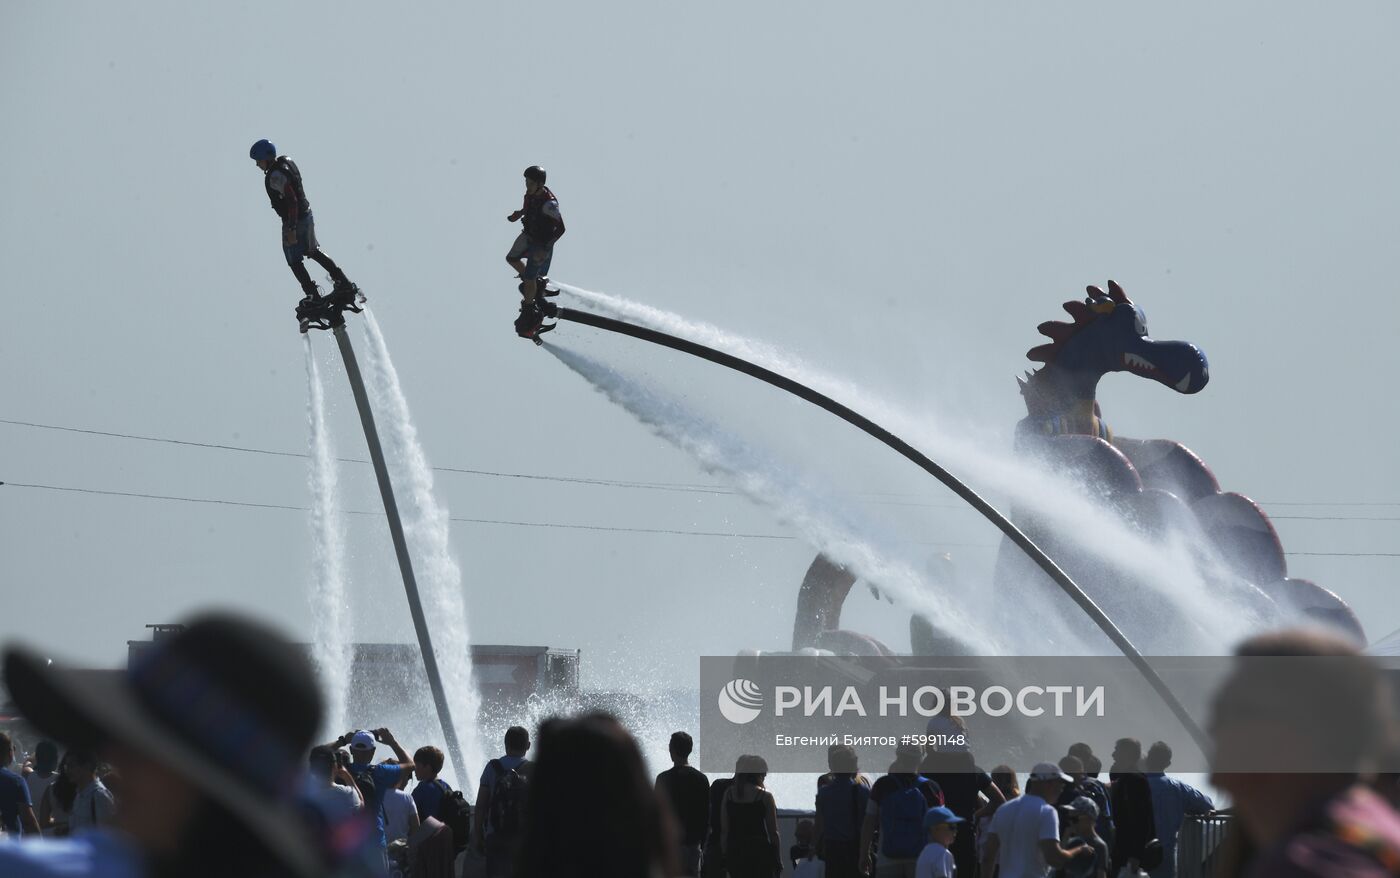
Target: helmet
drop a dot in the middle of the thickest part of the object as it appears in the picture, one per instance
(263, 151)
(536, 173)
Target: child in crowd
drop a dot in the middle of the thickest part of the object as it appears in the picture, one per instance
(804, 854)
(941, 827)
(1079, 817)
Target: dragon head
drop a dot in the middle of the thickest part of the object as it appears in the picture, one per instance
(1108, 334)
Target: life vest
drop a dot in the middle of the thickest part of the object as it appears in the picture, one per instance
(537, 224)
(288, 167)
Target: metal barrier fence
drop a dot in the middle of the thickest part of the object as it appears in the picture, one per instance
(1198, 842)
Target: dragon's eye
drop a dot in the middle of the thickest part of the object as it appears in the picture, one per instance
(1139, 321)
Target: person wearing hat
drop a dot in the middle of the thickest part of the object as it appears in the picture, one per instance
(1081, 814)
(383, 777)
(1024, 835)
(936, 860)
(208, 729)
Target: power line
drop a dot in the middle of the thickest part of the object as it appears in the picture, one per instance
(245, 449)
(681, 487)
(1330, 503)
(251, 505)
(545, 524)
(1333, 518)
(1348, 554)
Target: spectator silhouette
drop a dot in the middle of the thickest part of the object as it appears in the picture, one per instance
(1289, 748)
(898, 802)
(749, 823)
(1130, 799)
(44, 772)
(1084, 786)
(687, 791)
(1080, 817)
(841, 803)
(400, 811)
(429, 793)
(1172, 800)
(1024, 836)
(57, 803)
(331, 788)
(208, 731)
(591, 809)
(1005, 779)
(966, 788)
(94, 806)
(498, 821)
(712, 864)
(376, 781)
(16, 806)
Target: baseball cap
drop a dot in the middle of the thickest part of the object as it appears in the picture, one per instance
(1049, 771)
(940, 814)
(362, 740)
(1084, 805)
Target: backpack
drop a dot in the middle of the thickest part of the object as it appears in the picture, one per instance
(456, 813)
(508, 794)
(902, 821)
(364, 779)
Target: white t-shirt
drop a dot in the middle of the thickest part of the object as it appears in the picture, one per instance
(336, 802)
(93, 806)
(809, 868)
(1020, 825)
(935, 861)
(398, 806)
(37, 786)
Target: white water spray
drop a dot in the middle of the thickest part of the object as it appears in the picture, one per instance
(330, 621)
(428, 534)
(825, 521)
(1192, 582)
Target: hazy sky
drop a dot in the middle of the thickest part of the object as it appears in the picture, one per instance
(897, 192)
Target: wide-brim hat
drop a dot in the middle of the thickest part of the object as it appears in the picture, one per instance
(229, 704)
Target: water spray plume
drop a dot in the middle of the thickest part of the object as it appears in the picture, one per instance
(428, 534)
(330, 619)
(1185, 579)
(1011, 532)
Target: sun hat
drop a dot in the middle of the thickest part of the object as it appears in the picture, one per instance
(227, 703)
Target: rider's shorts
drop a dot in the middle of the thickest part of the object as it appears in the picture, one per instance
(305, 243)
(537, 256)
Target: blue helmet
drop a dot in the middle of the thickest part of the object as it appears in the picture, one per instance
(263, 151)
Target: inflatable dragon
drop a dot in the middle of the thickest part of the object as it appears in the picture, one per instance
(1159, 486)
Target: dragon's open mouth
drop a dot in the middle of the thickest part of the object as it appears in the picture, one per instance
(1140, 365)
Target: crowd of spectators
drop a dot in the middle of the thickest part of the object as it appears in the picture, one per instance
(202, 763)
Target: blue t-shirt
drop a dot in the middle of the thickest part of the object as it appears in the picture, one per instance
(428, 797)
(14, 795)
(96, 854)
(385, 778)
